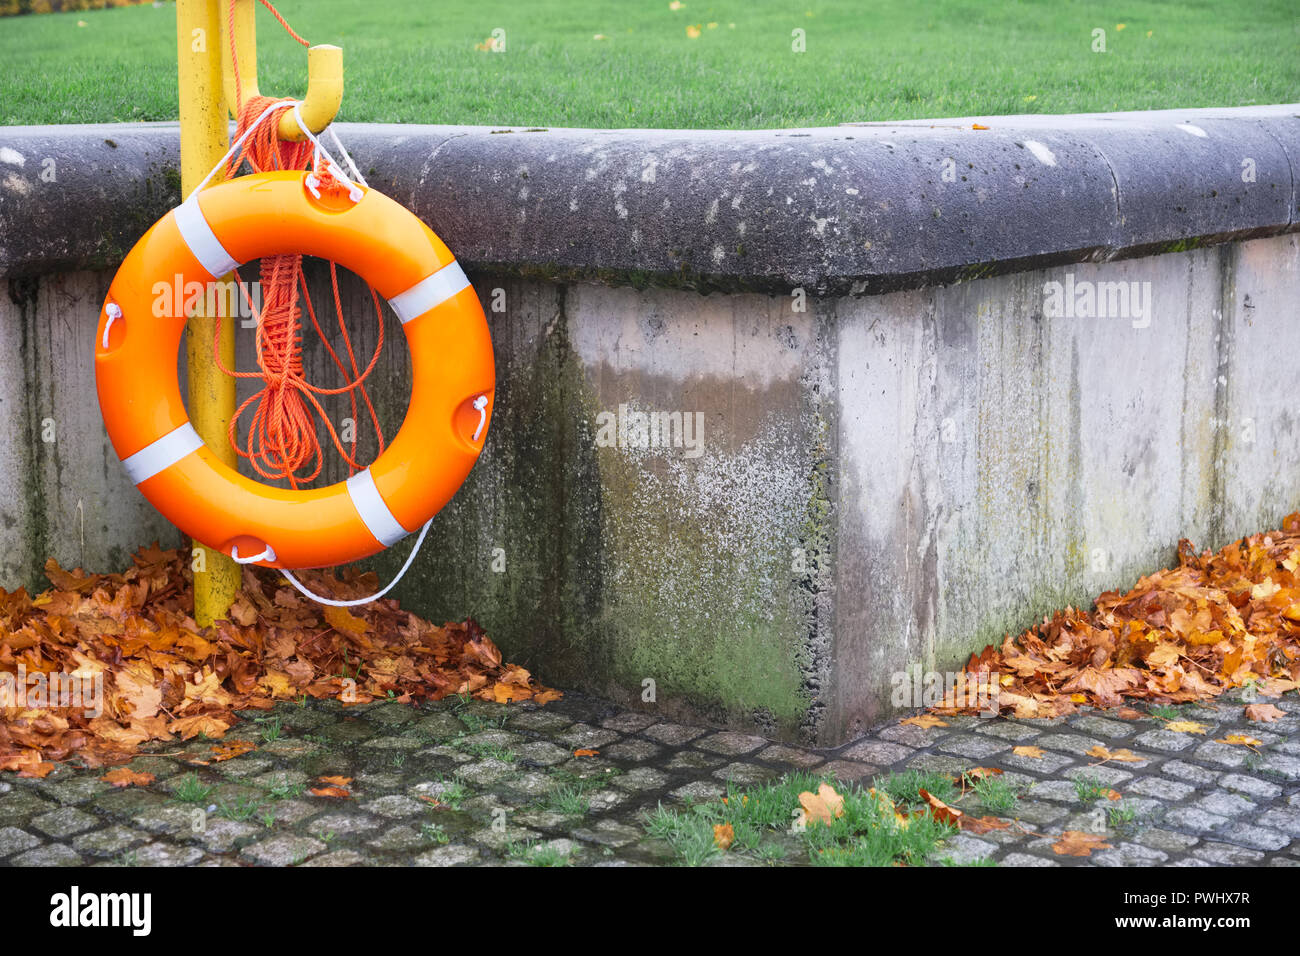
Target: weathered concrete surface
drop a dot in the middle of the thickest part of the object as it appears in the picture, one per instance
(622, 564)
(63, 492)
(78, 197)
(1181, 177)
(995, 463)
(879, 483)
(869, 483)
(872, 208)
(886, 482)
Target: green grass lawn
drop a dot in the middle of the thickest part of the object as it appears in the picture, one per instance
(414, 61)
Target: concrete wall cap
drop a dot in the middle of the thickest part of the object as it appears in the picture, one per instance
(858, 208)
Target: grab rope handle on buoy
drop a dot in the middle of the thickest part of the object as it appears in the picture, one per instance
(354, 192)
(480, 404)
(366, 600)
(114, 312)
(268, 554)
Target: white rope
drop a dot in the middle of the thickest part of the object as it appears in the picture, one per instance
(374, 597)
(268, 554)
(335, 169)
(481, 404)
(338, 144)
(240, 142)
(114, 312)
(354, 192)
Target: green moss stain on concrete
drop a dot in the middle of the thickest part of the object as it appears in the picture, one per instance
(621, 565)
(700, 588)
(519, 546)
(24, 293)
(715, 563)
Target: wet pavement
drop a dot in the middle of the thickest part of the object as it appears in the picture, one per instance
(463, 782)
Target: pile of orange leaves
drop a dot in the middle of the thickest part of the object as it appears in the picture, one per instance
(162, 677)
(1187, 633)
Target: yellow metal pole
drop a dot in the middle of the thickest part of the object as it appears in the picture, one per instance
(204, 140)
(207, 92)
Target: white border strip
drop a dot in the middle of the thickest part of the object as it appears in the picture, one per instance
(162, 454)
(429, 292)
(373, 510)
(203, 242)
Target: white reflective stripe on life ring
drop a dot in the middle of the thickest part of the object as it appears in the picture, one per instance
(162, 454)
(203, 242)
(429, 292)
(373, 509)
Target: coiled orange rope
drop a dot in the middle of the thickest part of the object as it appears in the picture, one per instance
(282, 439)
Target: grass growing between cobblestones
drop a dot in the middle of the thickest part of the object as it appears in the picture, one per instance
(488, 751)
(474, 722)
(1090, 789)
(906, 787)
(244, 808)
(1121, 817)
(1169, 711)
(765, 826)
(570, 800)
(996, 795)
(452, 794)
(189, 789)
(539, 854)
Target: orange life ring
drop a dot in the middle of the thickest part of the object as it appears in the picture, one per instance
(452, 372)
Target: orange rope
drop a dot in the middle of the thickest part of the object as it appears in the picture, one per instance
(282, 438)
(284, 23)
(234, 55)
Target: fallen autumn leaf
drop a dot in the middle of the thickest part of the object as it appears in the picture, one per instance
(1123, 756)
(723, 835)
(925, 720)
(125, 777)
(1078, 843)
(1263, 713)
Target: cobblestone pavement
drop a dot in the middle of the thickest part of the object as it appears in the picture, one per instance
(466, 782)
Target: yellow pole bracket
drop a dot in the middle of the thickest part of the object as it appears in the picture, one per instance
(324, 75)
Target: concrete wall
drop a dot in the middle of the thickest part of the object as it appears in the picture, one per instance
(878, 482)
(996, 464)
(63, 493)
